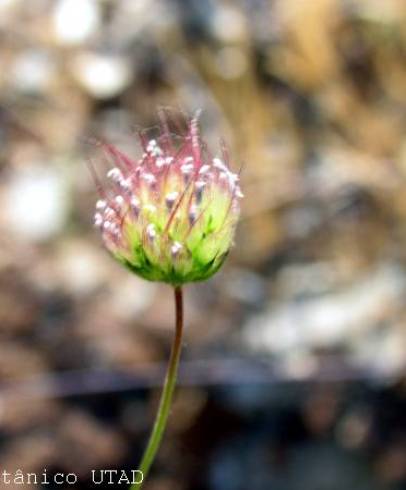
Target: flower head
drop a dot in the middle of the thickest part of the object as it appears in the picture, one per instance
(169, 216)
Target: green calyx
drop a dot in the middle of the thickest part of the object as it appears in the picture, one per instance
(199, 272)
(168, 259)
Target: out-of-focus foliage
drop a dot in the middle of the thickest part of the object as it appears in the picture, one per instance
(310, 96)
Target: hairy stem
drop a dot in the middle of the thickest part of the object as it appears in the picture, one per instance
(167, 393)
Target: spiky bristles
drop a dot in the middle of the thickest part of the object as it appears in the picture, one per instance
(171, 215)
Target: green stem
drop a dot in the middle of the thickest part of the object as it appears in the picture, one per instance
(167, 393)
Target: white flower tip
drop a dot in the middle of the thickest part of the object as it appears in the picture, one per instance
(171, 198)
(192, 214)
(115, 174)
(119, 200)
(135, 206)
(186, 168)
(153, 148)
(149, 178)
(134, 201)
(151, 231)
(204, 169)
(125, 184)
(217, 163)
(101, 204)
(98, 219)
(176, 248)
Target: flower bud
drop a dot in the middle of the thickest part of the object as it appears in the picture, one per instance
(171, 215)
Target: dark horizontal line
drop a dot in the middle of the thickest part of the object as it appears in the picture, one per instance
(192, 373)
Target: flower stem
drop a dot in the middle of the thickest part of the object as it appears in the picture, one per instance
(167, 393)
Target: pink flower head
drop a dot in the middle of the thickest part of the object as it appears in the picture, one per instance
(170, 215)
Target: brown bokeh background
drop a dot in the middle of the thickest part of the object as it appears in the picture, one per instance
(295, 353)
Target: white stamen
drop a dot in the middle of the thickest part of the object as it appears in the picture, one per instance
(101, 204)
(186, 168)
(171, 198)
(233, 177)
(188, 159)
(151, 232)
(109, 213)
(153, 148)
(217, 163)
(125, 184)
(115, 230)
(161, 161)
(119, 200)
(238, 193)
(107, 225)
(135, 205)
(204, 169)
(175, 249)
(98, 219)
(149, 178)
(199, 186)
(192, 214)
(115, 174)
(134, 202)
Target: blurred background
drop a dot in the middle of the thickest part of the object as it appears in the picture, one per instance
(293, 373)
